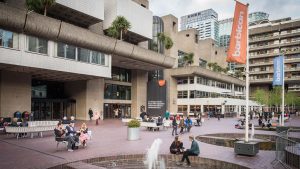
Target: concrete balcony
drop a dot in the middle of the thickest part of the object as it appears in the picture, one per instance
(264, 47)
(270, 38)
(82, 13)
(139, 17)
(272, 71)
(273, 54)
(269, 80)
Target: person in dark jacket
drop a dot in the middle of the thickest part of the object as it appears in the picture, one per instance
(72, 133)
(91, 113)
(193, 151)
(174, 125)
(60, 135)
(176, 147)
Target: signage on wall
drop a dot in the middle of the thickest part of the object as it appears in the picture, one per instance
(156, 97)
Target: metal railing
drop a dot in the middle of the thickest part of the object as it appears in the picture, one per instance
(287, 150)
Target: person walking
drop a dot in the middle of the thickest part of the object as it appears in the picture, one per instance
(174, 124)
(91, 114)
(181, 125)
(193, 151)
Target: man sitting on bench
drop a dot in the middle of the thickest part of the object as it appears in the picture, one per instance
(60, 136)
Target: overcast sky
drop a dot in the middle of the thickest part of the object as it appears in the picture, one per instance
(225, 8)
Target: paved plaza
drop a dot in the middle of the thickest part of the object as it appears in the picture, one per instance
(109, 139)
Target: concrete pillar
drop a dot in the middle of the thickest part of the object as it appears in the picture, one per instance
(202, 108)
(171, 91)
(239, 110)
(88, 94)
(138, 91)
(15, 93)
(222, 109)
(95, 97)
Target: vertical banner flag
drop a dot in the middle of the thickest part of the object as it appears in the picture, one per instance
(237, 51)
(278, 71)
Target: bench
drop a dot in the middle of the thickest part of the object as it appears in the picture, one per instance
(152, 125)
(33, 127)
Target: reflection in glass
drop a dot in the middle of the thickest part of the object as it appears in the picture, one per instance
(66, 51)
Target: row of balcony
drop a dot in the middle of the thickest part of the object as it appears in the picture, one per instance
(269, 38)
(272, 71)
(280, 45)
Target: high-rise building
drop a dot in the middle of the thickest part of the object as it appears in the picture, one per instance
(258, 18)
(269, 40)
(206, 22)
(225, 27)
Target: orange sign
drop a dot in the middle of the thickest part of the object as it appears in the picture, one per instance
(161, 83)
(237, 51)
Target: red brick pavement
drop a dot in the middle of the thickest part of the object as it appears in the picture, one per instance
(109, 138)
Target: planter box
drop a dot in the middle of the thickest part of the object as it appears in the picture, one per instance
(133, 134)
(246, 148)
(280, 129)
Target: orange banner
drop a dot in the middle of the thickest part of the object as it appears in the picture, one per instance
(237, 51)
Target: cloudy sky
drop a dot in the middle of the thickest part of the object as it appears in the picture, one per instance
(225, 8)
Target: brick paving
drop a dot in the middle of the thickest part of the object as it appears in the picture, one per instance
(109, 139)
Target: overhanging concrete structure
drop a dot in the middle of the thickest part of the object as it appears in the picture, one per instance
(42, 26)
(195, 70)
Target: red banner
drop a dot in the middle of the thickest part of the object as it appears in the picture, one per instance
(237, 51)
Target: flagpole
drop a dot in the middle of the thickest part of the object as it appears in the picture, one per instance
(247, 83)
(282, 110)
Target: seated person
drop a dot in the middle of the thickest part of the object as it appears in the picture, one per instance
(177, 146)
(159, 121)
(193, 151)
(188, 124)
(65, 120)
(14, 122)
(145, 119)
(60, 136)
(83, 134)
(1, 122)
(72, 133)
(260, 121)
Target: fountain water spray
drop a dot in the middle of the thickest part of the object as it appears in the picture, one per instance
(252, 131)
(152, 156)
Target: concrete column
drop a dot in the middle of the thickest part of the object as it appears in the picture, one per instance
(239, 110)
(222, 109)
(88, 94)
(15, 93)
(171, 91)
(95, 97)
(202, 108)
(138, 91)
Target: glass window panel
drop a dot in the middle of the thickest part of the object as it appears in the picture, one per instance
(7, 39)
(66, 51)
(83, 55)
(96, 57)
(37, 45)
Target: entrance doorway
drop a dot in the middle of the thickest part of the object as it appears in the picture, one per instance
(117, 110)
(52, 109)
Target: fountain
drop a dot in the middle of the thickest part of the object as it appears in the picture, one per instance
(152, 156)
(252, 131)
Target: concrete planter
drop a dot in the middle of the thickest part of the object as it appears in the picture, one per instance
(133, 134)
(246, 148)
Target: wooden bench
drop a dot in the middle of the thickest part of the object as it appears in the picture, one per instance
(33, 127)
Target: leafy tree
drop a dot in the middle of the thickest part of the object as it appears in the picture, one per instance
(119, 27)
(262, 96)
(164, 39)
(238, 73)
(188, 59)
(39, 6)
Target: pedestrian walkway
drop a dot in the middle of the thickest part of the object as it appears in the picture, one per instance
(109, 139)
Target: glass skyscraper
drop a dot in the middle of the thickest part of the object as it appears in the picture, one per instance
(206, 22)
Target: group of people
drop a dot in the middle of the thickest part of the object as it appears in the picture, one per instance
(177, 148)
(182, 123)
(73, 137)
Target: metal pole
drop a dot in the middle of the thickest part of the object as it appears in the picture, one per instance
(247, 85)
(282, 110)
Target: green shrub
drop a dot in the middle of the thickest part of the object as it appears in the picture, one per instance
(134, 124)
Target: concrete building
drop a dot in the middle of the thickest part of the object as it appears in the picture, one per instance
(269, 40)
(194, 88)
(62, 64)
(186, 41)
(206, 23)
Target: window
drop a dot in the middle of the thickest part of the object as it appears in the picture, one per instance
(182, 108)
(182, 94)
(195, 108)
(83, 55)
(120, 74)
(192, 94)
(182, 81)
(37, 45)
(117, 92)
(98, 58)
(66, 51)
(8, 39)
(191, 80)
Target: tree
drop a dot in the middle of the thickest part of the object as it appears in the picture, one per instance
(39, 6)
(118, 27)
(262, 96)
(164, 39)
(275, 96)
(188, 59)
(238, 73)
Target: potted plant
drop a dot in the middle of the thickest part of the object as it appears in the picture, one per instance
(133, 130)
